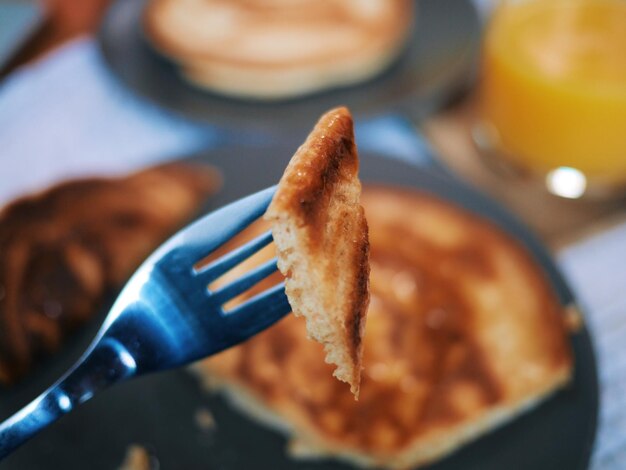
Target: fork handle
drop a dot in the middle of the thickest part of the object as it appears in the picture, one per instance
(106, 363)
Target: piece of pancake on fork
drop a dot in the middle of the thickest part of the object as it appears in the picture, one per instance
(320, 232)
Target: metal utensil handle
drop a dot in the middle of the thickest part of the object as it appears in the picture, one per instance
(106, 363)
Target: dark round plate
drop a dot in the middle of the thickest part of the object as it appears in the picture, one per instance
(157, 411)
(438, 63)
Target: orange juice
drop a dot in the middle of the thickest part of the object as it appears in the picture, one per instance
(553, 85)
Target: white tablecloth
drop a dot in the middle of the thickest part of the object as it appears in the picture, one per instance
(65, 116)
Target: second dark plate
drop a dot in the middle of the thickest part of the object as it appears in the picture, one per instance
(437, 64)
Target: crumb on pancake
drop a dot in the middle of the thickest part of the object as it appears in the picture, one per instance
(137, 458)
(573, 319)
(205, 420)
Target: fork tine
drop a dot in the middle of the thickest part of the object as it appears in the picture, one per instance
(243, 283)
(213, 230)
(259, 312)
(212, 271)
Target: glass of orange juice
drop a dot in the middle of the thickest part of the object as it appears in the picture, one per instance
(553, 92)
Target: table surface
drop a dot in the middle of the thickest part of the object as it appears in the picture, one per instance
(559, 222)
(594, 267)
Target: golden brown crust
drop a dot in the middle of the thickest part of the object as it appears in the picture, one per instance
(464, 333)
(327, 158)
(316, 212)
(65, 250)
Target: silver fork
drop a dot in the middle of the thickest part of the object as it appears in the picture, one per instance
(166, 316)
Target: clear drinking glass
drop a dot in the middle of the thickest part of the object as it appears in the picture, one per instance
(552, 97)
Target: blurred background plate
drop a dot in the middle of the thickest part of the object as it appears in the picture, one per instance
(438, 63)
(159, 411)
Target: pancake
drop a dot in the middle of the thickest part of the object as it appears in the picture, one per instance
(320, 232)
(269, 49)
(464, 333)
(66, 250)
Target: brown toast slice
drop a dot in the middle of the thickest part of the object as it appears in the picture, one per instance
(66, 250)
(321, 235)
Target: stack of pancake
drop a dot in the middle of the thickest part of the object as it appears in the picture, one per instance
(269, 49)
(463, 333)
